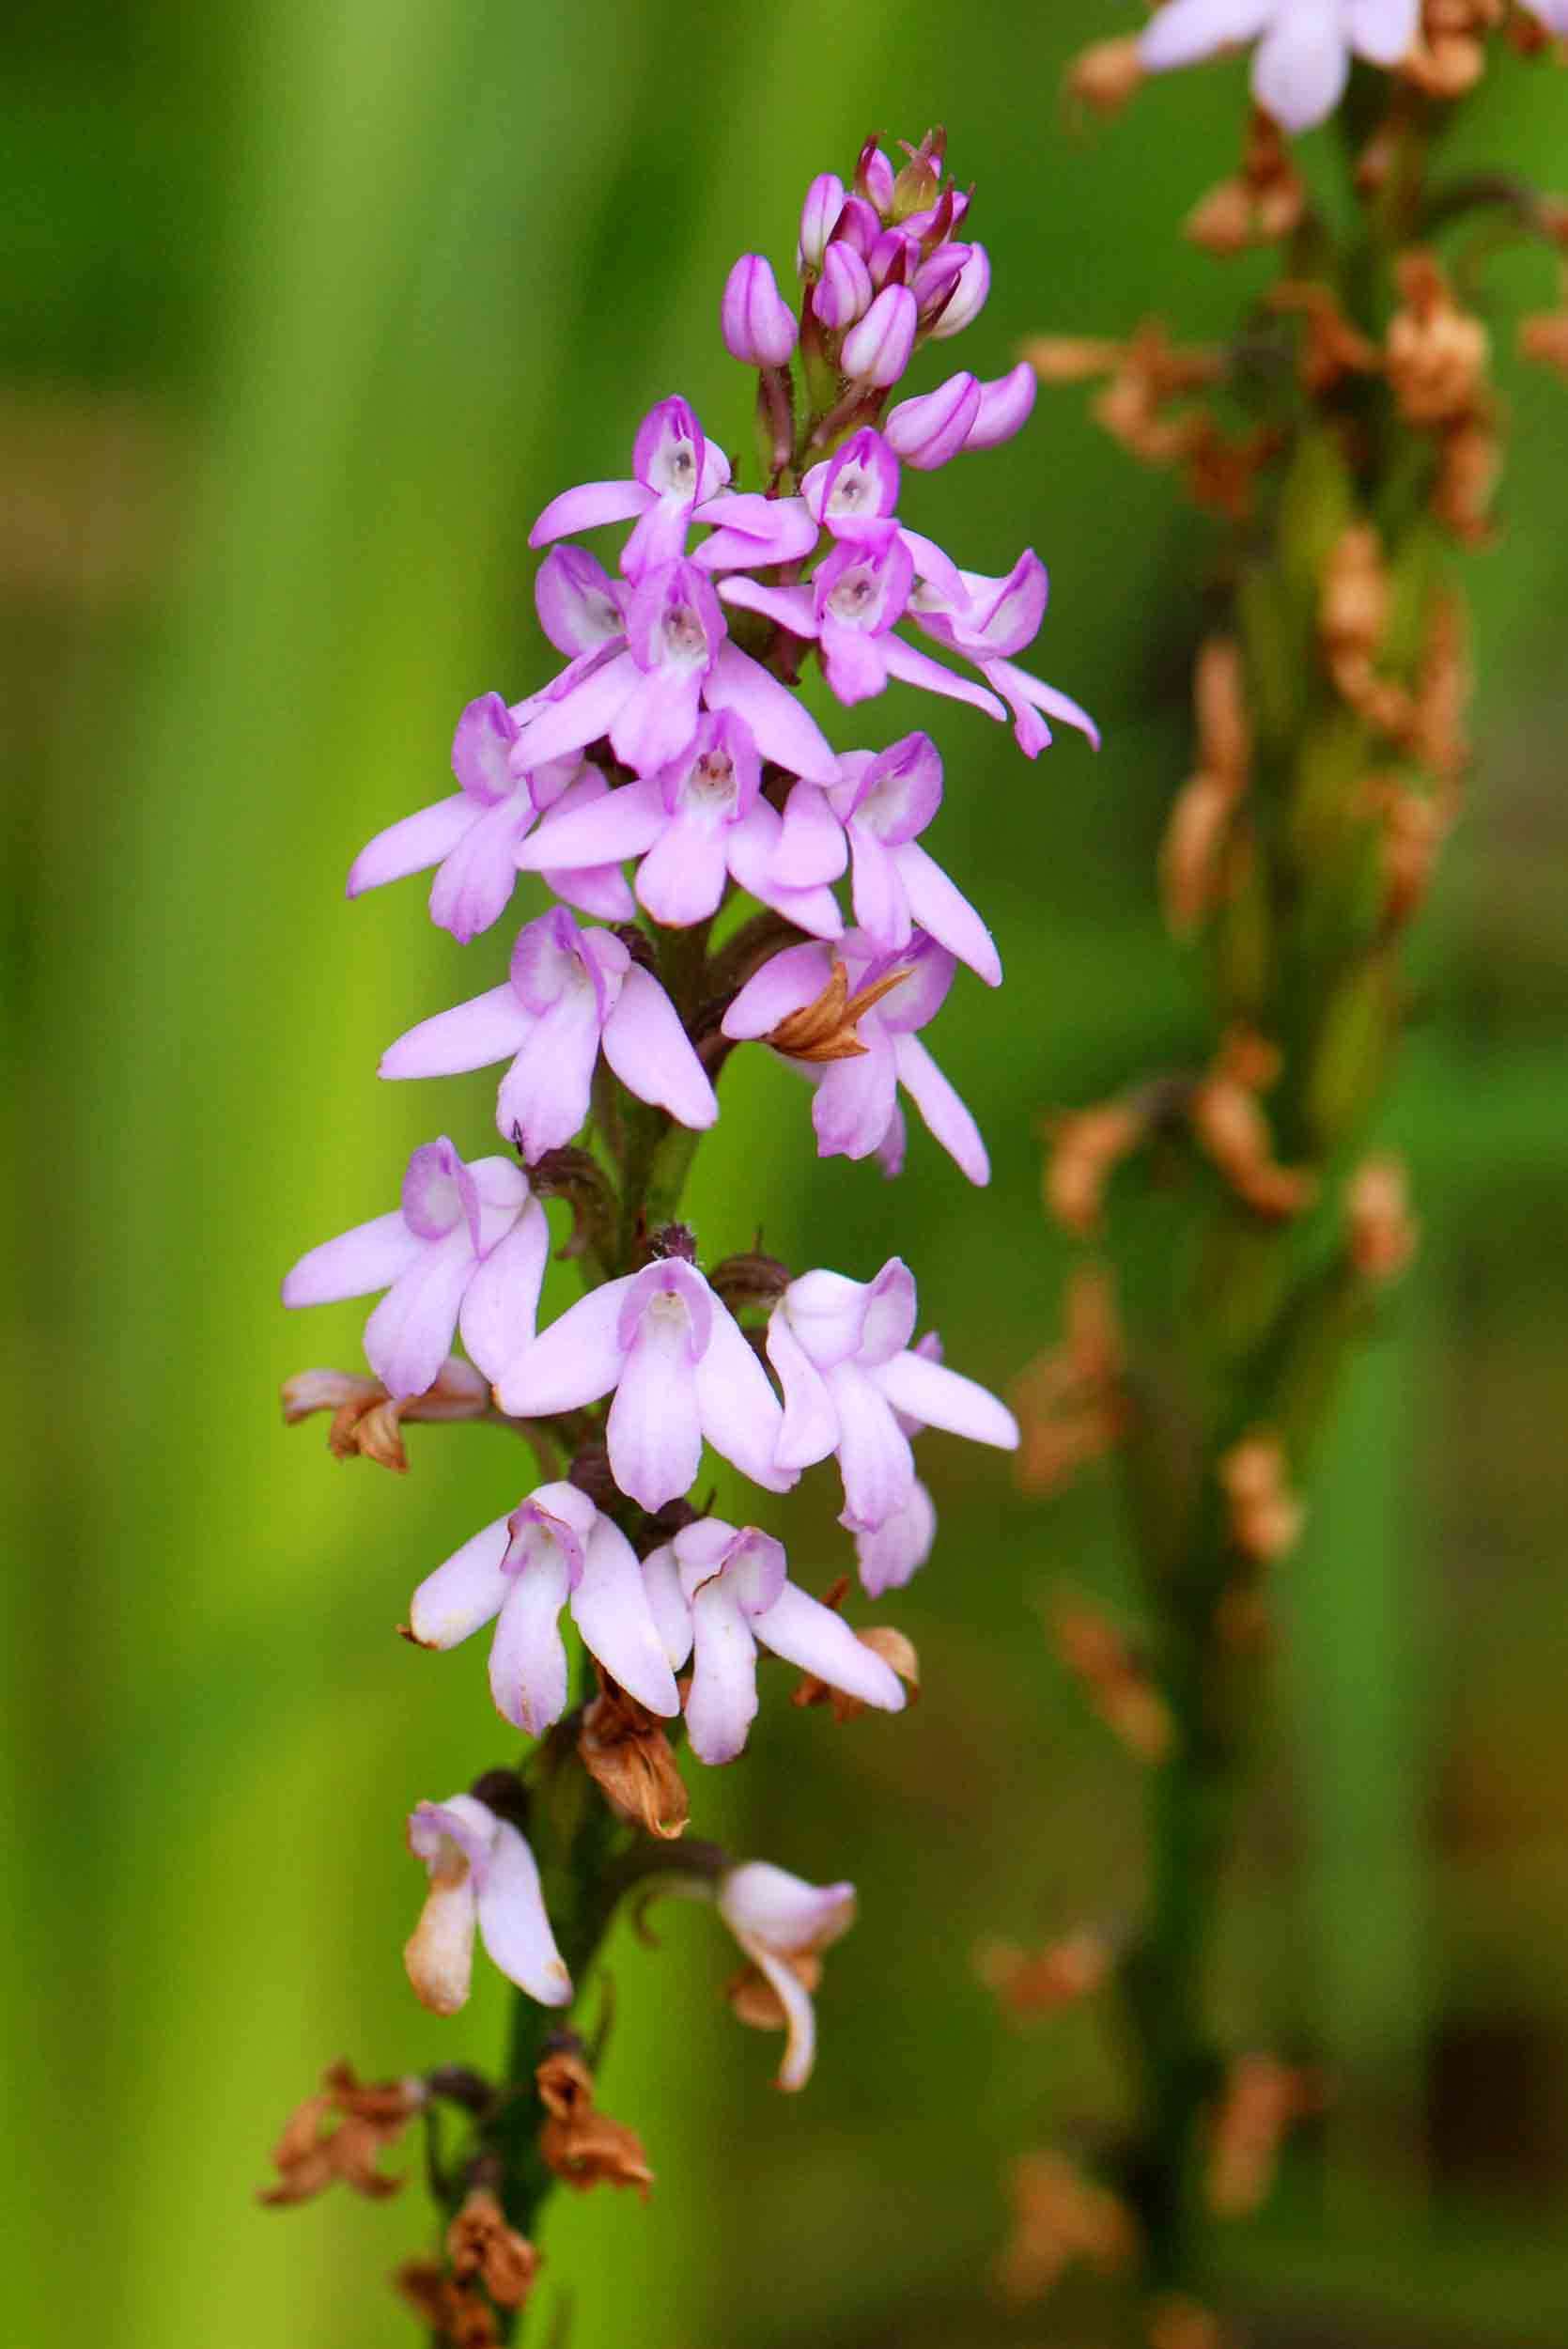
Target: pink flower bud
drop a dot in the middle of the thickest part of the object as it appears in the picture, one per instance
(843, 291)
(818, 216)
(878, 349)
(928, 431)
(1005, 407)
(858, 224)
(874, 178)
(758, 324)
(933, 282)
(892, 258)
(974, 284)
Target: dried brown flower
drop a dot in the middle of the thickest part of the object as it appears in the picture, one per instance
(1262, 2099)
(1070, 1403)
(1266, 1516)
(479, 2242)
(339, 2133)
(1059, 2218)
(1085, 1148)
(1437, 353)
(1229, 1125)
(582, 2145)
(1112, 1676)
(1449, 54)
(367, 1419)
(1057, 1976)
(1384, 1235)
(1331, 347)
(625, 1752)
(825, 1030)
(1191, 853)
(453, 2311)
(1176, 2322)
(1263, 204)
(1105, 75)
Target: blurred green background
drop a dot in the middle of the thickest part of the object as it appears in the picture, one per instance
(311, 305)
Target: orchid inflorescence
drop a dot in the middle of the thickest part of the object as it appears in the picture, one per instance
(669, 771)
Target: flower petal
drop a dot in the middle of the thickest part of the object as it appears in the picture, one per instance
(409, 1335)
(655, 1432)
(574, 1361)
(945, 1115)
(618, 824)
(466, 1592)
(787, 983)
(940, 1398)
(357, 1262)
(579, 717)
(671, 1614)
(809, 1427)
(782, 729)
(740, 1411)
(805, 1632)
(528, 1656)
(942, 907)
(874, 1452)
(500, 1304)
(589, 507)
(651, 1054)
(488, 1027)
(513, 1923)
(412, 845)
(918, 668)
(721, 1703)
(610, 1608)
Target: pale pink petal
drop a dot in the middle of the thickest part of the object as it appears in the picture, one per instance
(589, 507)
(753, 846)
(811, 848)
(1385, 30)
(791, 607)
(655, 1432)
(1301, 66)
(877, 893)
(722, 1700)
(543, 1098)
(940, 1398)
(513, 1924)
(873, 1450)
(611, 1609)
(579, 717)
(475, 884)
(945, 1115)
(805, 1632)
(918, 668)
(355, 1264)
(409, 1335)
(414, 844)
(670, 1608)
(651, 1054)
(598, 889)
(900, 1545)
(488, 1027)
(942, 909)
(658, 720)
(785, 984)
(576, 1360)
(809, 1427)
(682, 877)
(1186, 30)
(741, 1413)
(502, 1301)
(604, 830)
(854, 1099)
(529, 1673)
(782, 729)
(464, 1593)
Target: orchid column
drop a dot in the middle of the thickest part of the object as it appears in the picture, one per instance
(1349, 437)
(692, 824)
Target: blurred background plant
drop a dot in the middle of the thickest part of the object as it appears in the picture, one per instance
(307, 309)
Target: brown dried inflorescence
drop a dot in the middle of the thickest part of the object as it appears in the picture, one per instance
(1105, 75)
(480, 2244)
(1083, 1149)
(1263, 2098)
(366, 1420)
(582, 2146)
(1265, 1516)
(826, 1030)
(339, 2134)
(1061, 2217)
(1029, 1984)
(1071, 1403)
(1192, 854)
(1112, 1677)
(1229, 1125)
(1425, 721)
(1148, 377)
(454, 2312)
(1437, 355)
(1262, 203)
(1384, 1235)
(1450, 53)
(895, 1648)
(625, 1751)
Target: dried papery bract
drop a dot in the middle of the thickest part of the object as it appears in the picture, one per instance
(340, 2133)
(667, 770)
(1060, 2217)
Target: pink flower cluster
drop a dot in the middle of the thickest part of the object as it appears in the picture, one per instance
(668, 767)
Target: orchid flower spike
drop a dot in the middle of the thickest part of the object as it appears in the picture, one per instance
(482, 1877)
(1304, 46)
(570, 992)
(782, 1923)
(719, 1594)
(680, 1369)
(467, 1247)
(555, 1550)
(842, 1350)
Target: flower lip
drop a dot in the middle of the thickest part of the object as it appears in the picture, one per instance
(900, 791)
(856, 491)
(536, 1529)
(751, 1564)
(551, 961)
(720, 775)
(460, 1827)
(675, 1294)
(667, 455)
(673, 621)
(864, 585)
(439, 1193)
(888, 1319)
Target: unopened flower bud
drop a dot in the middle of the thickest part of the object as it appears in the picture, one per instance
(843, 291)
(892, 258)
(1006, 404)
(930, 430)
(919, 182)
(757, 323)
(934, 280)
(877, 350)
(875, 176)
(968, 300)
(857, 225)
(819, 217)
